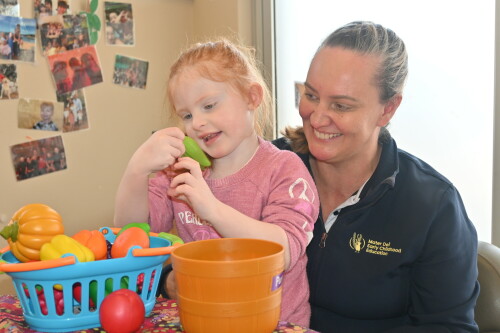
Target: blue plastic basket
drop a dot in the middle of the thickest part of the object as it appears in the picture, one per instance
(118, 273)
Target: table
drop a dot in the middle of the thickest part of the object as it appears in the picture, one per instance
(163, 318)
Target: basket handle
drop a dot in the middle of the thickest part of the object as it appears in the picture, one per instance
(5, 249)
(37, 265)
(154, 251)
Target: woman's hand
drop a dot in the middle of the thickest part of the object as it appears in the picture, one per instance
(190, 187)
(159, 151)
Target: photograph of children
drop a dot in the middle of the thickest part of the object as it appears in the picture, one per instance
(76, 31)
(51, 29)
(119, 23)
(40, 115)
(60, 33)
(8, 82)
(18, 38)
(62, 8)
(38, 157)
(130, 72)
(75, 69)
(44, 8)
(75, 111)
(9, 7)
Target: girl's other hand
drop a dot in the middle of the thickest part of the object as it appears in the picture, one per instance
(159, 151)
(190, 186)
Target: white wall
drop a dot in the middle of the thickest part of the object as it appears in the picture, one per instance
(447, 112)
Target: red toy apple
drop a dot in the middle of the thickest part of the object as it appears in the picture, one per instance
(122, 311)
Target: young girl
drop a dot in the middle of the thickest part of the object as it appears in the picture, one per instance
(252, 190)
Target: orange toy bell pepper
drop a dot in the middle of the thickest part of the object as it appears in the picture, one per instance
(94, 240)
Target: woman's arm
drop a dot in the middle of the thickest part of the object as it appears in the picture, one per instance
(444, 280)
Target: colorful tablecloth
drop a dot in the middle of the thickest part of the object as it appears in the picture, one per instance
(163, 318)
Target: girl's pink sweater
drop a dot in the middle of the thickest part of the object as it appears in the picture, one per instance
(274, 187)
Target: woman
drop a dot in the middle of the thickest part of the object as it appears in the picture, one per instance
(17, 42)
(393, 248)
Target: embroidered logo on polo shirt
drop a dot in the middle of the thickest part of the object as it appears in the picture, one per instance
(357, 242)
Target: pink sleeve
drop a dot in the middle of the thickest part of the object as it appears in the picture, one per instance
(160, 205)
(293, 204)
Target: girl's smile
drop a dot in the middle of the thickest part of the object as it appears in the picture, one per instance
(217, 116)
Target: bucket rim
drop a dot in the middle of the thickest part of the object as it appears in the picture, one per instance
(279, 252)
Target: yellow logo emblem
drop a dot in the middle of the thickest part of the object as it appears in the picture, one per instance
(357, 242)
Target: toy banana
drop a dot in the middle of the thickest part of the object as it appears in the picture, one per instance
(194, 151)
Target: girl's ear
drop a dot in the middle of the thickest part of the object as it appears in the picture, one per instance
(255, 95)
(390, 109)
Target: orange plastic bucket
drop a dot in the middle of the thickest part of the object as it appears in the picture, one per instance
(261, 315)
(227, 284)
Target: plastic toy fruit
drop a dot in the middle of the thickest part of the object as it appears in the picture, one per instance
(61, 245)
(133, 236)
(144, 226)
(77, 294)
(108, 287)
(94, 240)
(29, 228)
(194, 151)
(40, 295)
(122, 311)
(171, 237)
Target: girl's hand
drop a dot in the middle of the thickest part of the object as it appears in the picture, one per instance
(191, 187)
(159, 151)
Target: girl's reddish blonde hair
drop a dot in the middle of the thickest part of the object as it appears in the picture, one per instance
(225, 61)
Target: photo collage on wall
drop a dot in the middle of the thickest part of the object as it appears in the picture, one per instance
(130, 72)
(127, 72)
(9, 8)
(39, 115)
(67, 43)
(17, 37)
(119, 23)
(8, 79)
(38, 157)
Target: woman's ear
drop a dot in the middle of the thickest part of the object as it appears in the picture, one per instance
(255, 95)
(390, 109)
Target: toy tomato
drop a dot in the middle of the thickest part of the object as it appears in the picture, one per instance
(133, 236)
(122, 311)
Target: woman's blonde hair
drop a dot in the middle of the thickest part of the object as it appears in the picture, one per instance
(224, 61)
